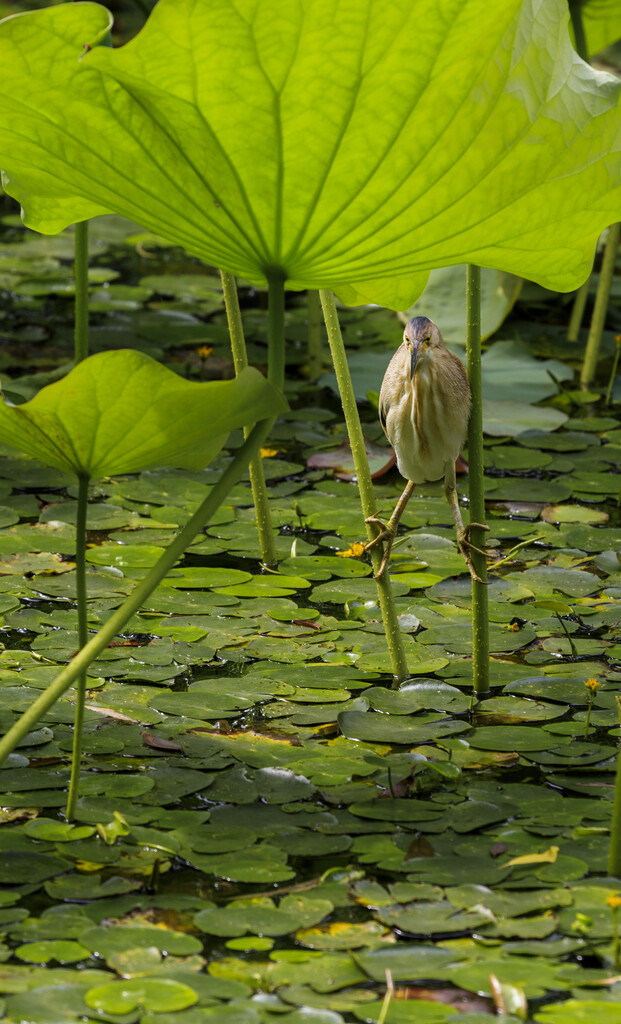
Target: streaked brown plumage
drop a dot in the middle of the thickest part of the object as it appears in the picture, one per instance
(424, 407)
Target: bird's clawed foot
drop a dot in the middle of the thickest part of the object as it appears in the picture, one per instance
(386, 536)
(465, 547)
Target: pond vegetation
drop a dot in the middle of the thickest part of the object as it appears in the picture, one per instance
(273, 814)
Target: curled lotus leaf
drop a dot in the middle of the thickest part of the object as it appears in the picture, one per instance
(117, 412)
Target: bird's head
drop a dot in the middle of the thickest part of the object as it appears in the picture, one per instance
(421, 337)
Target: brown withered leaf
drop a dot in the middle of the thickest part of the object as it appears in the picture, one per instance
(465, 1002)
(419, 847)
(150, 740)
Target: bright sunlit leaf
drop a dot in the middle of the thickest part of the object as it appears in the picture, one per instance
(547, 857)
(120, 411)
(353, 148)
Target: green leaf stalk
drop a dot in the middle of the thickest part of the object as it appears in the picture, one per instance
(575, 13)
(591, 355)
(394, 637)
(577, 310)
(257, 476)
(81, 347)
(80, 274)
(614, 853)
(315, 359)
(613, 371)
(81, 599)
(476, 483)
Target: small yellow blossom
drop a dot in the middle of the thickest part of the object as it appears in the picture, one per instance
(354, 551)
(269, 453)
(618, 339)
(204, 351)
(614, 902)
(592, 685)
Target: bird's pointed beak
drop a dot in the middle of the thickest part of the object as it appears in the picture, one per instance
(413, 359)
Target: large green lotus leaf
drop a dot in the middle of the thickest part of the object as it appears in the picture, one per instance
(443, 301)
(117, 412)
(319, 138)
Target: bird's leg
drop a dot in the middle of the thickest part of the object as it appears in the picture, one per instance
(388, 530)
(463, 542)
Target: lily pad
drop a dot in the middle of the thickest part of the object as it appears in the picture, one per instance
(42, 952)
(509, 737)
(374, 727)
(162, 995)
(510, 418)
(262, 917)
(510, 374)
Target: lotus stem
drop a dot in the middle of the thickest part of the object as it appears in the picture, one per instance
(613, 372)
(130, 606)
(257, 476)
(572, 646)
(575, 13)
(615, 947)
(315, 358)
(591, 355)
(577, 310)
(81, 347)
(476, 483)
(276, 328)
(80, 274)
(143, 6)
(394, 637)
(81, 595)
(614, 855)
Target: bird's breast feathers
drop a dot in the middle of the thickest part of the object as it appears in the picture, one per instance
(426, 427)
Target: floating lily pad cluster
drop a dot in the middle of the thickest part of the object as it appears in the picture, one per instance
(265, 825)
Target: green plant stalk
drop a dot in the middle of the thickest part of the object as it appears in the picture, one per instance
(315, 358)
(575, 13)
(81, 346)
(614, 853)
(615, 947)
(577, 310)
(613, 372)
(518, 547)
(80, 274)
(144, 7)
(572, 646)
(587, 721)
(394, 637)
(591, 355)
(81, 595)
(476, 482)
(130, 606)
(276, 327)
(257, 476)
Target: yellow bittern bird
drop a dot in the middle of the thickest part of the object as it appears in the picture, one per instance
(424, 405)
